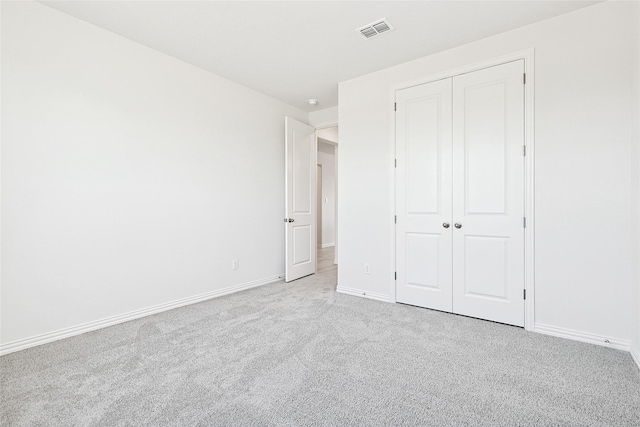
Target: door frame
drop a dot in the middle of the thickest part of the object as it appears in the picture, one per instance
(319, 198)
(529, 139)
(325, 125)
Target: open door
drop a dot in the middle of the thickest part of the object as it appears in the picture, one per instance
(300, 199)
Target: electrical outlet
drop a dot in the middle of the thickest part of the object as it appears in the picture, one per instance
(234, 264)
(367, 268)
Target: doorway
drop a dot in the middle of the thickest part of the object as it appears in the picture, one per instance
(319, 205)
(327, 177)
(310, 197)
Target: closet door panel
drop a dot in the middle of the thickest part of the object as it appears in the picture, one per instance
(488, 193)
(423, 203)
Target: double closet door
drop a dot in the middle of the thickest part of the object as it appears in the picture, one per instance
(460, 194)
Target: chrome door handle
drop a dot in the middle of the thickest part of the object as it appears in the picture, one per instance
(457, 225)
(445, 224)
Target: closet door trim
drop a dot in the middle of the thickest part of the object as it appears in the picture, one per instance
(529, 138)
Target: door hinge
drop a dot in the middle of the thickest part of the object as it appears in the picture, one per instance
(524, 222)
(524, 294)
(395, 163)
(395, 219)
(524, 78)
(395, 275)
(395, 106)
(524, 150)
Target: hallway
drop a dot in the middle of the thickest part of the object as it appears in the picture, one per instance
(324, 263)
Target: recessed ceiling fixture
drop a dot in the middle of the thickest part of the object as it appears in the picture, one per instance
(313, 101)
(375, 28)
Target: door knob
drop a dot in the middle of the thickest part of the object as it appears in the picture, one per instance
(445, 224)
(291, 219)
(457, 225)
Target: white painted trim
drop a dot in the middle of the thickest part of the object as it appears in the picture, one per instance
(132, 315)
(327, 245)
(529, 193)
(363, 294)
(523, 54)
(635, 355)
(327, 124)
(0, 192)
(582, 336)
(392, 197)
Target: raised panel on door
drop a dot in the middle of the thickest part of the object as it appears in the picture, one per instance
(488, 188)
(301, 244)
(423, 204)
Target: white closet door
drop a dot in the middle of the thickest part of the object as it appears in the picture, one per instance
(488, 188)
(423, 204)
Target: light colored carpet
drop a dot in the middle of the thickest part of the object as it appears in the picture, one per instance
(299, 354)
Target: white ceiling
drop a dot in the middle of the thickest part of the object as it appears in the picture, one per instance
(295, 50)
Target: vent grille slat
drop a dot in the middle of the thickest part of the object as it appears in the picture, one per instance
(375, 28)
(381, 27)
(368, 32)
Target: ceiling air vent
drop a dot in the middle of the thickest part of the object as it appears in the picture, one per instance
(377, 27)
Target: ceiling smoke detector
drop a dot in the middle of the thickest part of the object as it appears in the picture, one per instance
(313, 101)
(375, 28)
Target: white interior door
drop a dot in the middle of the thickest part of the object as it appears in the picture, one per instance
(300, 199)
(460, 194)
(488, 188)
(423, 204)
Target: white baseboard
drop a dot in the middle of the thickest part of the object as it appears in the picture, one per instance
(121, 318)
(635, 355)
(327, 245)
(363, 294)
(582, 336)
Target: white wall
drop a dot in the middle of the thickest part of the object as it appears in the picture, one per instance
(129, 179)
(327, 160)
(636, 112)
(324, 118)
(586, 168)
